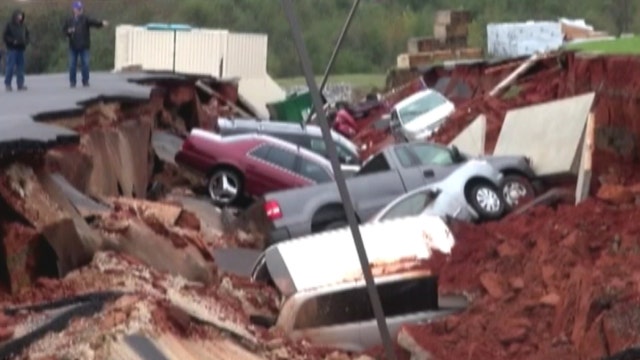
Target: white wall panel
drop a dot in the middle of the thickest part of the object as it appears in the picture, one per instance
(246, 55)
(153, 49)
(200, 52)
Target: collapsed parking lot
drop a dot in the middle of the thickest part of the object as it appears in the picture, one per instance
(113, 246)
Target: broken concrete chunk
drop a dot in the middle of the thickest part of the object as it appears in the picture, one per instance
(517, 283)
(158, 252)
(552, 299)
(21, 190)
(615, 194)
(103, 180)
(408, 343)
(491, 283)
(20, 245)
(515, 330)
(505, 249)
(74, 243)
(75, 165)
(134, 145)
(167, 213)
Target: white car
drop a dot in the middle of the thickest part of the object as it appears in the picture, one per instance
(325, 297)
(420, 115)
(470, 193)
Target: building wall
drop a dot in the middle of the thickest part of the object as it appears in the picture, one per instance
(211, 52)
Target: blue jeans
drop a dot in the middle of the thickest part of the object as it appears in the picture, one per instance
(84, 65)
(15, 64)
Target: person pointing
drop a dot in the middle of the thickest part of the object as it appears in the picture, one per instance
(78, 30)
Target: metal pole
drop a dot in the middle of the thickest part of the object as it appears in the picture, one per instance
(336, 49)
(307, 69)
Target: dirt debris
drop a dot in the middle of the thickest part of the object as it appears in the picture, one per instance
(547, 284)
(155, 304)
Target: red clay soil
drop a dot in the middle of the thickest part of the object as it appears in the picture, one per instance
(550, 284)
(616, 106)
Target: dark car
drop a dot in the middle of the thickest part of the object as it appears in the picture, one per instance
(251, 164)
(308, 136)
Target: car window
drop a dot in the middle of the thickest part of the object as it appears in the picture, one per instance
(282, 158)
(431, 155)
(318, 146)
(352, 305)
(410, 206)
(313, 171)
(261, 152)
(404, 156)
(376, 164)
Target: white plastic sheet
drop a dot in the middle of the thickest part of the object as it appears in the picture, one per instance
(522, 39)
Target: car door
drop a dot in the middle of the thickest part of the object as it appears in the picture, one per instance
(424, 163)
(258, 173)
(280, 167)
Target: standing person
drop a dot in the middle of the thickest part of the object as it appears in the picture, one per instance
(16, 39)
(78, 30)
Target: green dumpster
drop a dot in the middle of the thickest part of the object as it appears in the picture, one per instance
(294, 108)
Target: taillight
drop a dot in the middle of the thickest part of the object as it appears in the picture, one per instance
(187, 145)
(272, 209)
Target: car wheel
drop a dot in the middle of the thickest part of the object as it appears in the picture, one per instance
(225, 187)
(486, 200)
(517, 190)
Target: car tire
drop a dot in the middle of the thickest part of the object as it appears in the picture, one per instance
(224, 187)
(517, 190)
(486, 199)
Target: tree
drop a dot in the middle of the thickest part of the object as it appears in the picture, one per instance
(621, 12)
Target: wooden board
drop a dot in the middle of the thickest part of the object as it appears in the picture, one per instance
(584, 173)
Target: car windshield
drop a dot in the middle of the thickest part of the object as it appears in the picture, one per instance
(410, 206)
(422, 105)
(341, 140)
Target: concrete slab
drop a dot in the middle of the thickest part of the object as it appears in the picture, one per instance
(84, 204)
(472, 139)
(550, 134)
(51, 94)
(237, 261)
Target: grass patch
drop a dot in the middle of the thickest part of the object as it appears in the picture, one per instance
(358, 81)
(626, 45)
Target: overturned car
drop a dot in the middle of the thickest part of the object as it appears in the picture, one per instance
(329, 305)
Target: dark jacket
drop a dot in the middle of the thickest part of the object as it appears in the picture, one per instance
(16, 34)
(80, 38)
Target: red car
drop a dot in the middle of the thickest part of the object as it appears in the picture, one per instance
(250, 164)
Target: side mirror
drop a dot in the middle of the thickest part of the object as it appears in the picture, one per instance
(345, 159)
(455, 153)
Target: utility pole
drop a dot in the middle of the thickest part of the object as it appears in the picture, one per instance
(307, 69)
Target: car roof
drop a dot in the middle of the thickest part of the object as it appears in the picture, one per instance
(284, 127)
(293, 264)
(267, 138)
(278, 126)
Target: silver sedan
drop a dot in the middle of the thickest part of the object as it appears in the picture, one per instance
(470, 193)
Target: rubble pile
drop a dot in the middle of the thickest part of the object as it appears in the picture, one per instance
(49, 234)
(551, 77)
(548, 284)
(145, 302)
